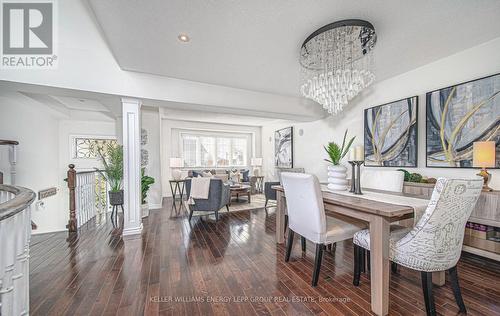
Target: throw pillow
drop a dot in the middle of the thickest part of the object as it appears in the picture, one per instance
(196, 174)
(234, 176)
(244, 175)
(207, 174)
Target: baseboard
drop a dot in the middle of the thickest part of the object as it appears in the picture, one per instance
(34, 232)
(155, 206)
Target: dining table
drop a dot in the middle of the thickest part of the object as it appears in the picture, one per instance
(378, 216)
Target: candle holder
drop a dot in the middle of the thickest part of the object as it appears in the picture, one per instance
(353, 177)
(358, 164)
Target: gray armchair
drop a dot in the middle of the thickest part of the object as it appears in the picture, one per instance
(269, 192)
(218, 197)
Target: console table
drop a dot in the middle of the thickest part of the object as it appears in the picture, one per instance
(486, 212)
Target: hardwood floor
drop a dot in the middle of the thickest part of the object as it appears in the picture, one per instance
(232, 267)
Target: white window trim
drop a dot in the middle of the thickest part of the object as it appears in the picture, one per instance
(222, 134)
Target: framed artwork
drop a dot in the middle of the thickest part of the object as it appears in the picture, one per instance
(390, 136)
(283, 147)
(458, 116)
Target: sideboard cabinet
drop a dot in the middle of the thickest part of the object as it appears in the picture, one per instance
(486, 212)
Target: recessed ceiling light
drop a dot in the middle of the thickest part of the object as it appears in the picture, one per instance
(183, 38)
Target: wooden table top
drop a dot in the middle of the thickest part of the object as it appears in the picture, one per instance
(241, 187)
(364, 204)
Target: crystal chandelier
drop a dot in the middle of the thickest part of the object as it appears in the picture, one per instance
(337, 63)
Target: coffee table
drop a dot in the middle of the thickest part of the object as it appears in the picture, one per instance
(242, 189)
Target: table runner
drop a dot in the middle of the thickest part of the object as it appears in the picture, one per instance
(419, 205)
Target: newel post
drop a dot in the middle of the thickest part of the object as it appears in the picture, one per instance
(72, 206)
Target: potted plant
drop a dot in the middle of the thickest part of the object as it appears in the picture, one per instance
(112, 161)
(146, 182)
(337, 174)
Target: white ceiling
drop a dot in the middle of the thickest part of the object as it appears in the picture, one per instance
(255, 44)
(85, 105)
(68, 103)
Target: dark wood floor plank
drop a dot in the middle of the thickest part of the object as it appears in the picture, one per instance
(229, 267)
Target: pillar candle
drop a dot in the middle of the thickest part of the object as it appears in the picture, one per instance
(352, 155)
(359, 155)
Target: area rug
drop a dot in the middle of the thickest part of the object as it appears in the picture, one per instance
(257, 201)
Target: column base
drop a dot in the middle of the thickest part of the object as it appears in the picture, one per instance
(132, 231)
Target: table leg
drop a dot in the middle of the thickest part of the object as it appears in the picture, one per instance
(379, 275)
(173, 191)
(176, 188)
(182, 191)
(438, 278)
(249, 199)
(280, 218)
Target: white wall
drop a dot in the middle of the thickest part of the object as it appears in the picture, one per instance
(67, 129)
(151, 123)
(44, 152)
(472, 63)
(170, 145)
(37, 132)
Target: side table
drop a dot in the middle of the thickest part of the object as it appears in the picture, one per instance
(177, 188)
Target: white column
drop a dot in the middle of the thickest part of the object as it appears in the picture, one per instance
(119, 129)
(132, 166)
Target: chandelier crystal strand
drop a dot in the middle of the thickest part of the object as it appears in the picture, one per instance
(337, 63)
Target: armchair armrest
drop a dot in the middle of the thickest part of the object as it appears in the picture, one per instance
(269, 191)
(226, 195)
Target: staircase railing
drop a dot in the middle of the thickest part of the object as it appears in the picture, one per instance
(12, 144)
(87, 196)
(15, 233)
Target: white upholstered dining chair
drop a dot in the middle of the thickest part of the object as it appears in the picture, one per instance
(435, 243)
(387, 180)
(306, 217)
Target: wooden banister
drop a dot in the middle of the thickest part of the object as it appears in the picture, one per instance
(8, 142)
(72, 224)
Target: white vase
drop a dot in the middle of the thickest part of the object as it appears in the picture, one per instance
(337, 178)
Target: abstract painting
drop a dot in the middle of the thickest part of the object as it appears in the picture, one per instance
(458, 116)
(283, 148)
(390, 136)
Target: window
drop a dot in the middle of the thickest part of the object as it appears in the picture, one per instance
(87, 147)
(214, 151)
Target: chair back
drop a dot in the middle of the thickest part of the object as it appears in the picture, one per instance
(306, 214)
(294, 170)
(388, 180)
(435, 243)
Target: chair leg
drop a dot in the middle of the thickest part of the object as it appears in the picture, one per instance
(216, 216)
(303, 243)
(286, 222)
(317, 264)
(227, 208)
(368, 264)
(456, 289)
(289, 245)
(357, 265)
(190, 215)
(362, 259)
(430, 307)
(333, 247)
(265, 205)
(394, 267)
